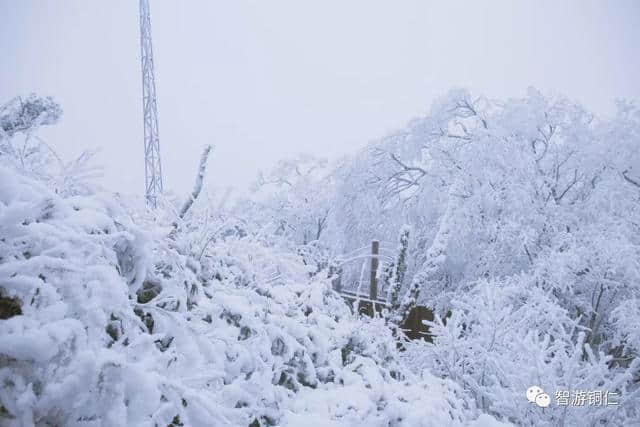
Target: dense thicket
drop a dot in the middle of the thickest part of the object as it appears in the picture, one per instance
(520, 217)
(525, 219)
(113, 315)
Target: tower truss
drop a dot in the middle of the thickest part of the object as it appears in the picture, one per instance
(152, 165)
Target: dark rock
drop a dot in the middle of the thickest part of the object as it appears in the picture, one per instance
(149, 291)
(9, 307)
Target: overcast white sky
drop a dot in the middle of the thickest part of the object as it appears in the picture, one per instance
(263, 80)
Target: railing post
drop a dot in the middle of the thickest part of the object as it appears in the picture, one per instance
(335, 273)
(373, 283)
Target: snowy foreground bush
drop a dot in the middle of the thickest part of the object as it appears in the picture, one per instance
(119, 320)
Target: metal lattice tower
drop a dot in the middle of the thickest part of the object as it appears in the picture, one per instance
(152, 167)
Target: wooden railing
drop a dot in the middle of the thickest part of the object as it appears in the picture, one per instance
(370, 303)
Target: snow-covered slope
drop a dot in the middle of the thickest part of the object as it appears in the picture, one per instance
(121, 324)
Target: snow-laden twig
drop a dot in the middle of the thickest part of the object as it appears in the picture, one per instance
(197, 188)
(210, 239)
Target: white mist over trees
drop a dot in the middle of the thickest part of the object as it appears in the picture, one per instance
(520, 218)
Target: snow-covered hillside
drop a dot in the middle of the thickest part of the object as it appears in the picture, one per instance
(518, 222)
(120, 319)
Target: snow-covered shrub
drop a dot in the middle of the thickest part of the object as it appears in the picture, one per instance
(24, 150)
(504, 337)
(521, 209)
(25, 115)
(121, 321)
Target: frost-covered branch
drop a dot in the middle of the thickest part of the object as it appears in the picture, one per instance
(632, 181)
(197, 188)
(397, 272)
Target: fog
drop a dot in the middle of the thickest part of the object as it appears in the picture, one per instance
(265, 80)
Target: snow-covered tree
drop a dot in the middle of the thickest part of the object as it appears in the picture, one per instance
(25, 115)
(523, 209)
